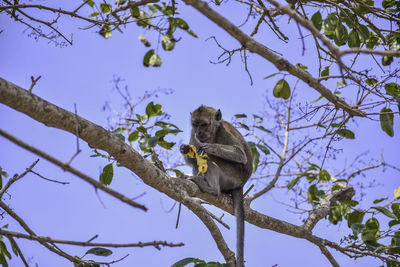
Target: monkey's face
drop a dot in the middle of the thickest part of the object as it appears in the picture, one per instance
(205, 122)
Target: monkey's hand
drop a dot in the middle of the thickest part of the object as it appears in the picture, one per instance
(185, 149)
(205, 148)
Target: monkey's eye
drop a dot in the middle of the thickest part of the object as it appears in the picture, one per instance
(203, 125)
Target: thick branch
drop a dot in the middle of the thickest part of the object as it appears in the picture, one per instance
(325, 206)
(279, 62)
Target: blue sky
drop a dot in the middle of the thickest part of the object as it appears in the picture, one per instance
(81, 74)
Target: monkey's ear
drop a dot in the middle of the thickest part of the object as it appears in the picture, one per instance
(218, 115)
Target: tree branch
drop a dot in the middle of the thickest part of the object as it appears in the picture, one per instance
(279, 62)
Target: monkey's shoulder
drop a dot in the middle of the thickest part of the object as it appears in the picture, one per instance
(228, 134)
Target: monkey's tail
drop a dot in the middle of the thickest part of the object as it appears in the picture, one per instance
(237, 196)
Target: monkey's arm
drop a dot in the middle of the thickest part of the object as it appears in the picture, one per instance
(227, 152)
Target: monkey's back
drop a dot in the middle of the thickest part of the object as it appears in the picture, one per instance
(228, 135)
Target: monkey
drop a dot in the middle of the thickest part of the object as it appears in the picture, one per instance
(229, 161)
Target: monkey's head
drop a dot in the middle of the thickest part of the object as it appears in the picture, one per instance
(205, 123)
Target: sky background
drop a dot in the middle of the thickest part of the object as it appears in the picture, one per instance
(81, 74)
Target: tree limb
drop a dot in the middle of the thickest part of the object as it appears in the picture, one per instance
(279, 62)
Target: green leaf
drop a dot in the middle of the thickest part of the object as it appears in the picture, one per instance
(90, 3)
(262, 128)
(255, 154)
(240, 116)
(354, 39)
(106, 31)
(94, 14)
(393, 223)
(325, 72)
(341, 83)
(364, 31)
(165, 144)
(107, 175)
(13, 247)
(373, 245)
(314, 194)
(133, 136)
(386, 118)
(244, 126)
(105, 8)
(178, 173)
(356, 216)
(388, 3)
(183, 262)
(371, 231)
(335, 214)
(282, 89)
(135, 12)
(349, 18)
(151, 59)
(393, 89)
(345, 133)
(3, 250)
(168, 42)
(293, 182)
(153, 110)
(396, 193)
(330, 24)
(341, 35)
(324, 176)
(371, 81)
(357, 228)
(144, 40)
(396, 209)
(99, 251)
(376, 201)
(147, 143)
(264, 149)
(385, 211)
(317, 20)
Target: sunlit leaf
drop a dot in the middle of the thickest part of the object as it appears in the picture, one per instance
(396, 192)
(168, 42)
(153, 109)
(282, 89)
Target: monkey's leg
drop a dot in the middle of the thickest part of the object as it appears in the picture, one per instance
(209, 183)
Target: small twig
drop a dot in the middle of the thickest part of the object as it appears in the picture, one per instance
(16, 178)
(179, 215)
(48, 179)
(78, 150)
(248, 190)
(93, 238)
(34, 81)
